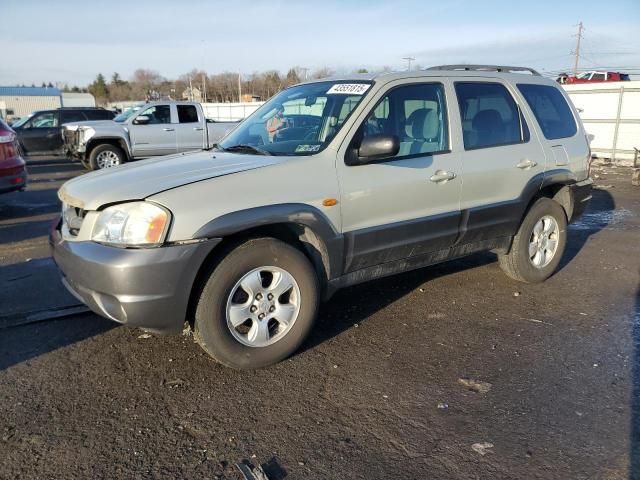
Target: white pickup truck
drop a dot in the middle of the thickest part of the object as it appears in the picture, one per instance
(146, 130)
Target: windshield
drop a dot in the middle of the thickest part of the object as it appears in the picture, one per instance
(124, 116)
(22, 121)
(300, 120)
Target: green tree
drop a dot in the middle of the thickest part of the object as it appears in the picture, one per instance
(362, 70)
(99, 88)
(292, 77)
(115, 79)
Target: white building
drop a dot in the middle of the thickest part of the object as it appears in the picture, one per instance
(21, 101)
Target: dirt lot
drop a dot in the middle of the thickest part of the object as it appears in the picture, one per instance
(375, 393)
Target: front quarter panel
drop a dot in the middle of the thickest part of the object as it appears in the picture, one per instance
(301, 180)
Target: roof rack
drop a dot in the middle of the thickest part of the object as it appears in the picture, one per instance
(485, 68)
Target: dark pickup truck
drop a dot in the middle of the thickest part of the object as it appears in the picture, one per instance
(41, 132)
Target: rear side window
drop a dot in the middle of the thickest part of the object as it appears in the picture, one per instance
(187, 114)
(72, 116)
(550, 109)
(490, 116)
(99, 114)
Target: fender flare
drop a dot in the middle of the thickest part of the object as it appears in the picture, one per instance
(299, 214)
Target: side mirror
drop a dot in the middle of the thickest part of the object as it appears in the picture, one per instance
(375, 148)
(141, 120)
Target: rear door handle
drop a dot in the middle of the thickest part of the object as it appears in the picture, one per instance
(442, 176)
(524, 164)
(198, 129)
(168, 129)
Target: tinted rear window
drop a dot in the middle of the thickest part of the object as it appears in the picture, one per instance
(550, 109)
(99, 114)
(187, 114)
(490, 116)
(72, 116)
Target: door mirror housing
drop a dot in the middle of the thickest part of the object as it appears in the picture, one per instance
(141, 120)
(375, 148)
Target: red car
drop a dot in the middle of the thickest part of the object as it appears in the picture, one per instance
(13, 170)
(590, 77)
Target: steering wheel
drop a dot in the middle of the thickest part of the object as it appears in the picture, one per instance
(311, 134)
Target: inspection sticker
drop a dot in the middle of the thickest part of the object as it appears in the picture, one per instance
(307, 148)
(349, 88)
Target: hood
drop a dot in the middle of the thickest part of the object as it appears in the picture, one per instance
(140, 179)
(90, 123)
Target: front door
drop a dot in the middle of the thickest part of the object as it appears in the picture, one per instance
(406, 205)
(156, 135)
(42, 134)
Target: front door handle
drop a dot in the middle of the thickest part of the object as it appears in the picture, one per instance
(198, 129)
(525, 164)
(168, 129)
(442, 176)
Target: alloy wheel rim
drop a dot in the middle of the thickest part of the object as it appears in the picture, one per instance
(543, 242)
(107, 159)
(263, 306)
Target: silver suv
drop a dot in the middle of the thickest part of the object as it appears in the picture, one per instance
(330, 183)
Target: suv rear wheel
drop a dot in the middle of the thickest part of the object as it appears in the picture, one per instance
(538, 246)
(258, 305)
(106, 156)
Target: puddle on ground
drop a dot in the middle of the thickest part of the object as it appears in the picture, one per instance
(609, 220)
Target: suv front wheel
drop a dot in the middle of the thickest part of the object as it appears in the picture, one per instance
(257, 305)
(538, 246)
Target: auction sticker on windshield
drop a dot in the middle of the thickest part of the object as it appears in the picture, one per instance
(349, 88)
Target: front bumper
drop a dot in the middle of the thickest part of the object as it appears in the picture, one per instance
(581, 196)
(146, 288)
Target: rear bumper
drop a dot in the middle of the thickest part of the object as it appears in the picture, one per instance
(148, 288)
(581, 195)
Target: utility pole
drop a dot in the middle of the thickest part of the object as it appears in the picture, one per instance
(239, 88)
(577, 52)
(409, 60)
(204, 87)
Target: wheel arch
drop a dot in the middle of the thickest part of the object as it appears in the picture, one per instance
(115, 141)
(299, 225)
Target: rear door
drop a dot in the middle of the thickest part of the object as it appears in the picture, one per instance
(41, 134)
(502, 157)
(157, 137)
(190, 128)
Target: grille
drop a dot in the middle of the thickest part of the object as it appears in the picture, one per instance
(73, 218)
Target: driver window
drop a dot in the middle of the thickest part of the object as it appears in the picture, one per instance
(158, 114)
(416, 115)
(44, 120)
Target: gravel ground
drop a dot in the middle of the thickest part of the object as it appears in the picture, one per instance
(450, 372)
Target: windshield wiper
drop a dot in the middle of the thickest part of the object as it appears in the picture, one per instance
(244, 148)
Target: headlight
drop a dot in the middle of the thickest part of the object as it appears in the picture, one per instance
(132, 224)
(87, 133)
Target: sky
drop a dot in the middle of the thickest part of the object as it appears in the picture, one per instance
(72, 41)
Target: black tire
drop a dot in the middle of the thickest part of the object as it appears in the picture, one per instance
(517, 264)
(107, 147)
(211, 330)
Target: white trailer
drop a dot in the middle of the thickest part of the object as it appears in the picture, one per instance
(610, 112)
